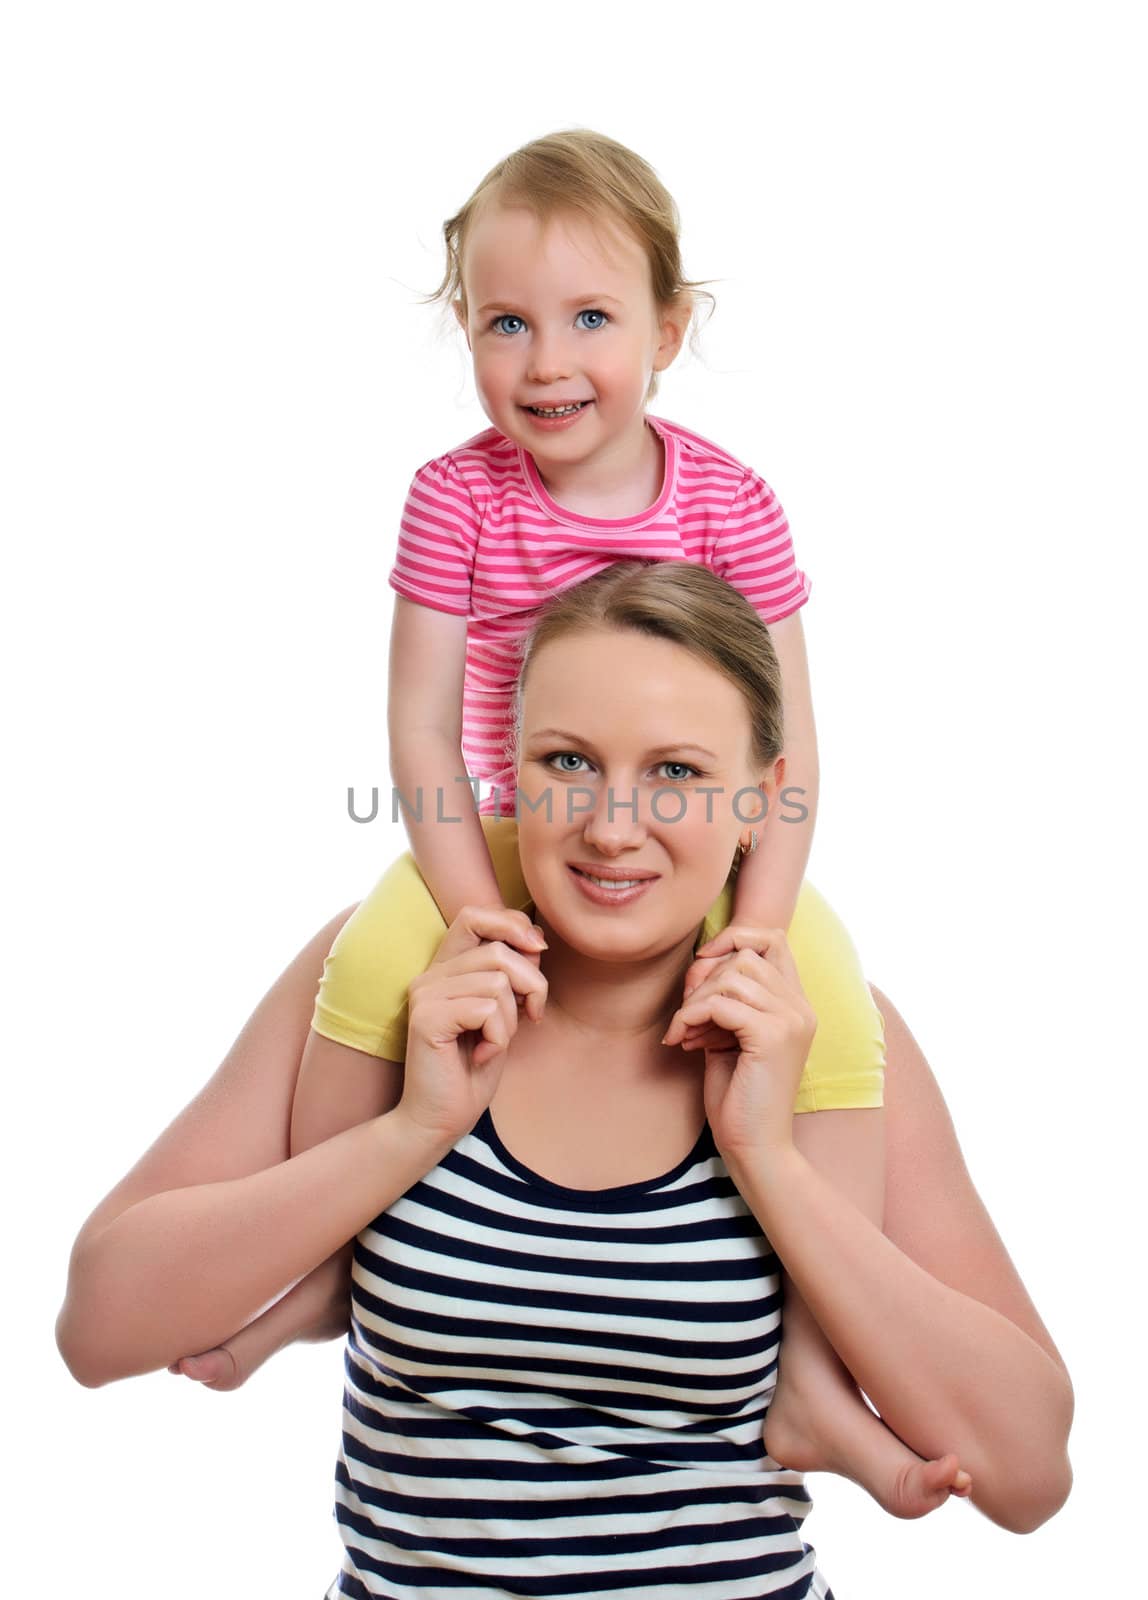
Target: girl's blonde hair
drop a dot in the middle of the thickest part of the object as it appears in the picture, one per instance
(687, 604)
(577, 170)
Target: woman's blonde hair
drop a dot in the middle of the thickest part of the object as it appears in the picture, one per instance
(577, 170)
(690, 606)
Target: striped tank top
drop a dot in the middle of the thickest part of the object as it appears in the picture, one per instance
(554, 1391)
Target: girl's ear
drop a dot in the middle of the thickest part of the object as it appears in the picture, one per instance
(460, 312)
(674, 320)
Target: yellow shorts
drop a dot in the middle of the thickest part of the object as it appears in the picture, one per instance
(395, 932)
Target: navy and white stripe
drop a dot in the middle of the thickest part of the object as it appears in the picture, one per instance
(557, 1392)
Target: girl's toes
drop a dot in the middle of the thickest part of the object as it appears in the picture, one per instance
(922, 1486)
(215, 1368)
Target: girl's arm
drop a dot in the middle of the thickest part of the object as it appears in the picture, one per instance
(769, 879)
(424, 719)
(214, 1224)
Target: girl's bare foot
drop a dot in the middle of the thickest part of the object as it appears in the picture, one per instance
(921, 1486)
(842, 1435)
(219, 1368)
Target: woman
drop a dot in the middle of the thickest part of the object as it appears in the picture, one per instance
(564, 1332)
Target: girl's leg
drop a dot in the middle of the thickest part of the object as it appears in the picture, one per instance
(819, 1422)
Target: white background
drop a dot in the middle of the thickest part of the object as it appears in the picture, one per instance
(927, 227)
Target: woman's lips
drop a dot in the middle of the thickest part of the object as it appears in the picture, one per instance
(602, 896)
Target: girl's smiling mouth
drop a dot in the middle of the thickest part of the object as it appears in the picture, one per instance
(559, 417)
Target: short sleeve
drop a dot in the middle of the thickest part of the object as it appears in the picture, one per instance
(754, 552)
(846, 1064)
(438, 540)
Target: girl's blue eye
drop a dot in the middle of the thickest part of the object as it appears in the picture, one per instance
(512, 316)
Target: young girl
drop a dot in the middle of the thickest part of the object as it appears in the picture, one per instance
(565, 275)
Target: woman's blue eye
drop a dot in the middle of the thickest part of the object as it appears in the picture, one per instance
(566, 755)
(678, 771)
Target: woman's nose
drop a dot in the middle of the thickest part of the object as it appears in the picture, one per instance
(616, 821)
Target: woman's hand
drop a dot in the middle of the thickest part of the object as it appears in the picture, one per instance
(757, 1028)
(463, 1015)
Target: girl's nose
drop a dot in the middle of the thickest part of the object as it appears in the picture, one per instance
(549, 360)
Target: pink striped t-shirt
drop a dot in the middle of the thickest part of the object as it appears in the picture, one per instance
(482, 538)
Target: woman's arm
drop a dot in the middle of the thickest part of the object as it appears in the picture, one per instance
(930, 1317)
(336, 1088)
(932, 1209)
(215, 1223)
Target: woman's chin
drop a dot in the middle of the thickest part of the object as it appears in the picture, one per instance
(615, 933)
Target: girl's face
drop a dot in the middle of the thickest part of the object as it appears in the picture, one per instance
(560, 313)
(618, 715)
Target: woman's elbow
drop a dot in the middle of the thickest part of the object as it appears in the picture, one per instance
(1031, 1502)
(76, 1352)
(85, 1333)
(1037, 1482)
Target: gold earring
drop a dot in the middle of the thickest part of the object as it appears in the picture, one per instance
(747, 850)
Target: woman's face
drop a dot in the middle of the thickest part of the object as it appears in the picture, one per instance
(620, 717)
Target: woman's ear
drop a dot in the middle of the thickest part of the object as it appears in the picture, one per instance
(770, 783)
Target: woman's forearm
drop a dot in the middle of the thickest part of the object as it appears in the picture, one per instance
(182, 1270)
(944, 1371)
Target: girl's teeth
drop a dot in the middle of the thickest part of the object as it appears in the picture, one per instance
(560, 411)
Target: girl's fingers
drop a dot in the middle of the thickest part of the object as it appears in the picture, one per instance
(492, 957)
(708, 1037)
(476, 923)
(780, 955)
(740, 936)
(753, 1027)
(743, 967)
(770, 943)
(698, 972)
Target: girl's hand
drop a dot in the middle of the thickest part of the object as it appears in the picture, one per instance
(703, 964)
(709, 958)
(463, 1015)
(758, 1029)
